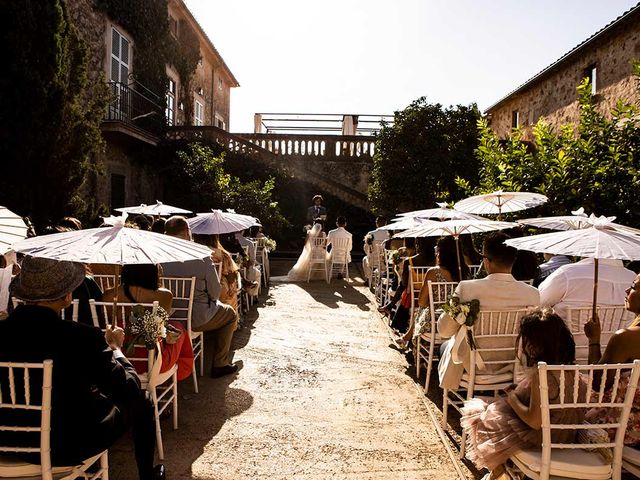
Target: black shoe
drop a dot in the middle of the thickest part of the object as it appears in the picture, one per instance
(217, 372)
(159, 472)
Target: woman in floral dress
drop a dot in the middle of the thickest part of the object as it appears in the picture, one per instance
(623, 347)
(446, 270)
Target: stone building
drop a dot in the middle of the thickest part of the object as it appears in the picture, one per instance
(605, 58)
(136, 118)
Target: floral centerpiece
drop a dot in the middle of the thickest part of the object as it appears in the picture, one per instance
(464, 314)
(269, 244)
(147, 326)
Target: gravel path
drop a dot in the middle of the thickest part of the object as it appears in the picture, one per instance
(321, 395)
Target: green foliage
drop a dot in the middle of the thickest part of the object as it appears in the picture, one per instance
(201, 182)
(51, 111)
(594, 164)
(420, 156)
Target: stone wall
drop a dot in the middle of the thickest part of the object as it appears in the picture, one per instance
(554, 96)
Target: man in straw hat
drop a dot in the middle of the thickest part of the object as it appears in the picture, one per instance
(96, 392)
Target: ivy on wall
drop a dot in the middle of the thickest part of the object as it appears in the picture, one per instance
(154, 46)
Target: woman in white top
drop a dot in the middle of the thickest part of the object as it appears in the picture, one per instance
(300, 270)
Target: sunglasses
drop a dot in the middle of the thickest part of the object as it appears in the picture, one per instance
(634, 286)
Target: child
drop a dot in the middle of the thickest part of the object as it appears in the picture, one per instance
(497, 430)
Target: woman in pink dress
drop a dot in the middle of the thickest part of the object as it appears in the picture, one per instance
(495, 431)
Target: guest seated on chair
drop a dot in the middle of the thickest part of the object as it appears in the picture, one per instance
(96, 394)
(623, 347)
(446, 270)
(497, 291)
(495, 431)
(425, 257)
(209, 314)
(141, 284)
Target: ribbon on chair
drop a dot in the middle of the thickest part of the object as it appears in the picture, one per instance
(465, 334)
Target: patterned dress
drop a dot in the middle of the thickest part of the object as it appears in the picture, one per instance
(611, 415)
(423, 316)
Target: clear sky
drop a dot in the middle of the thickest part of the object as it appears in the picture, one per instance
(376, 56)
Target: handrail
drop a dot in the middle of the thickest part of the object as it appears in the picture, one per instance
(130, 106)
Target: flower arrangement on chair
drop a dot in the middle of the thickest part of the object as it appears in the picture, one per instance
(270, 244)
(465, 314)
(147, 326)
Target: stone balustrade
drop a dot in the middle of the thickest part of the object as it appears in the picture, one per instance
(328, 147)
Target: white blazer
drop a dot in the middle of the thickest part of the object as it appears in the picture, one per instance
(340, 232)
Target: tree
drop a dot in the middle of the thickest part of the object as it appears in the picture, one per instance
(200, 181)
(50, 113)
(594, 164)
(418, 158)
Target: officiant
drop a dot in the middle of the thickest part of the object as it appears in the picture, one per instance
(316, 210)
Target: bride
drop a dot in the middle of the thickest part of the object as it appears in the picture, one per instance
(300, 270)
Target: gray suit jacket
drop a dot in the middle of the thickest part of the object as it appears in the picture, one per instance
(207, 290)
(497, 291)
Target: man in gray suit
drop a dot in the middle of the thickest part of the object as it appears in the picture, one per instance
(497, 291)
(209, 314)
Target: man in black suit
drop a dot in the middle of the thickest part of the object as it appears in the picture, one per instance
(96, 392)
(317, 210)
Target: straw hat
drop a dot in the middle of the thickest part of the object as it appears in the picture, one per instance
(44, 280)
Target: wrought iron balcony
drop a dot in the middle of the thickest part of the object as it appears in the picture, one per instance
(134, 109)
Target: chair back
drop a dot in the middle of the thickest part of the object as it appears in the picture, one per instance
(75, 305)
(340, 250)
(439, 294)
(416, 281)
(612, 318)
(17, 397)
(106, 282)
(474, 269)
(319, 250)
(218, 266)
(183, 291)
(153, 358)
(495, 333)
(572, 397)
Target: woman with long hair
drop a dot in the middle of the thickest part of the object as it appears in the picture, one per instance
(140, 284)
(229, 279)
(300, 270)
(496, 431)
(445, 270)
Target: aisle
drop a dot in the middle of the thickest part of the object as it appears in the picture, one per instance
(321, 395)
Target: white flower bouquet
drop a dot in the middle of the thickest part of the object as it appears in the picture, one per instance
(147, 326)
(465, 314)
(270, 244)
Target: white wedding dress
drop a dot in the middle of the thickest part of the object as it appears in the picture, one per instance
(300, 270)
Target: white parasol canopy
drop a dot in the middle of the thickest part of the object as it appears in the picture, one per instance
(158, 208)
(115, 245)
(441, 213)
(602, 239)
(455, 228)
(218, 222)
(406, 223)
(12, 229)
(500, 202)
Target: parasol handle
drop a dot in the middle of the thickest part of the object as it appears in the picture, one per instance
(458, 258)
(595, 288)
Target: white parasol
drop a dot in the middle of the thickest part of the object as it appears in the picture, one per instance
(455, 228)
(406, 223)
(500, 202)
(117, 245)
(443, 212)
(158, 208)
(12, 229)
(218, 222)
(602, 239)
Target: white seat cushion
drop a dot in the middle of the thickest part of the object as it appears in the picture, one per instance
(570, 463)
(498, 379)
(11, 467)
(631, 455)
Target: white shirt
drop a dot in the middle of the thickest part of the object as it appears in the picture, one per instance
(378, 236)
(245, 242)
(572, 285)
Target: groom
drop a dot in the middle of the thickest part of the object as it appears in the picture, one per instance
(339, 233)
